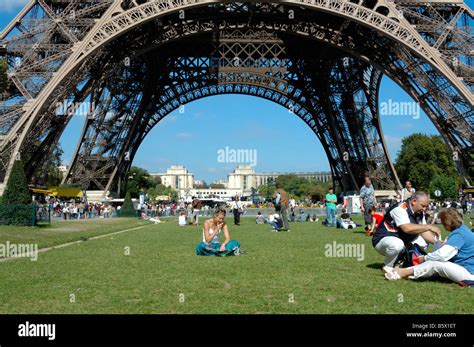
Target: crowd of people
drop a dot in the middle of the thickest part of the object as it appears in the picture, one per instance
(75, 209)
(401, 231)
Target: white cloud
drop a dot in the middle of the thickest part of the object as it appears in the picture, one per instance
(10, 6)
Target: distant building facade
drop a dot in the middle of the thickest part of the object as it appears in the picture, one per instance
(176, 177)
(245, 177)
(240, 182)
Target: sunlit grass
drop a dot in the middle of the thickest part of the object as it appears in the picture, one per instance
(280, 273)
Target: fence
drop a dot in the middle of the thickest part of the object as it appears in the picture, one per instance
(25, 214)
(128, 213)
(248, 212)
(252, 212)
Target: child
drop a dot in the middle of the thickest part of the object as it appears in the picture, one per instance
(260, 219)
(182, 218)
(377, 218)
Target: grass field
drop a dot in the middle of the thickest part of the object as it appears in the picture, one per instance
(280, 273)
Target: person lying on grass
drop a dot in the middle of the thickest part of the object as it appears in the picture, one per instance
(453, 260)
(155, 220)
(210, 244)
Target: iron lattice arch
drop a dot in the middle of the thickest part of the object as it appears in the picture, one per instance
(135, 62)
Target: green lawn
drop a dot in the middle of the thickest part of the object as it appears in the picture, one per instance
(65, 231)
(281, 273)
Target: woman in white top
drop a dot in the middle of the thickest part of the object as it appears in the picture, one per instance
(210, 244)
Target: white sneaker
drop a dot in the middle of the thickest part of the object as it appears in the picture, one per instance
(387, 269)
(392, 276)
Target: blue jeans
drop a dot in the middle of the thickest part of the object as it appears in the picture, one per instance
(204, 248)
(331, 213)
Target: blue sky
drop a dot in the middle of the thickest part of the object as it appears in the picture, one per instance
(282, 140)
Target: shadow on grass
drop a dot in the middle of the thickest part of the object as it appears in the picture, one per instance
(41, 226)
(377, 266)
(356, 231)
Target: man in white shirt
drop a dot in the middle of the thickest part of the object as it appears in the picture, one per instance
(404, 223)
(237, 210)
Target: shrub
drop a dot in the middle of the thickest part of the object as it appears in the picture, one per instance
(17, 191)
(127, 209)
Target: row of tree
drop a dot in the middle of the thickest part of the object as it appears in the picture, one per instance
(296, 187)
(426, 161)
(139, 180)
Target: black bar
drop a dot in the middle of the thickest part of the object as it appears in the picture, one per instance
(261, 329)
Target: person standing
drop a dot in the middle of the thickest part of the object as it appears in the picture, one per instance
(237, 210)
(367, 199)
(407, 192)
(281, 205)
(197, 204)
(331, 201)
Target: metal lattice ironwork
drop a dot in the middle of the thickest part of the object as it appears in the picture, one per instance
(134, 62)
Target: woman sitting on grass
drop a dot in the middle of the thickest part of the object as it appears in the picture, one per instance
(453, 260)
(210, 244)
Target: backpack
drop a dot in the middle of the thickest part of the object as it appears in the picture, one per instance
(409, 256)
(277, 206)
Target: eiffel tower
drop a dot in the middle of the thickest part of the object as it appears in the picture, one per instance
(130, 63)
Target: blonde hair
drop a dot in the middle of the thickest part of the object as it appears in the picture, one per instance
(451, 218)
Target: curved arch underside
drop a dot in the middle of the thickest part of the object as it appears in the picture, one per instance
(325, 68)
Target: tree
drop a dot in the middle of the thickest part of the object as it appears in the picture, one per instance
(48, 173)
(266, 191)
(16, 205)
(300, 187)
(203, 185)
(17, 191)
(3, 75)
(127, 209)
(422, 157)
(127, 202)
(54, 176)
(445, 184)
(161, 189)
(139, 180)
(217, 186)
